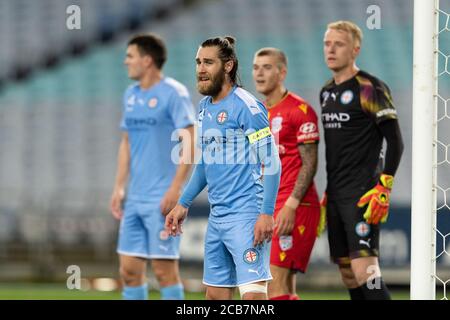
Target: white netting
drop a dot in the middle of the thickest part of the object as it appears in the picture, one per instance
(442, 275)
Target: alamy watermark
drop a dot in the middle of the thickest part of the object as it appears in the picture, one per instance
(374, 19)
(73, 20)
(74, 280)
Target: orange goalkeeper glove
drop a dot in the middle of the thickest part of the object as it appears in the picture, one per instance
(323, 215)
(377, 200)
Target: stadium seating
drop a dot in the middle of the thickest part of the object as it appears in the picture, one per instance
(59, 129)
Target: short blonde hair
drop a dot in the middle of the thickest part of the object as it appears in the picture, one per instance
(277, 53)
(349, 27)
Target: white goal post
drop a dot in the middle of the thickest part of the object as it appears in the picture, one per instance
(425, 142)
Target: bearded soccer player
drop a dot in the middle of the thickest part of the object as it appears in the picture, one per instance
(293, 123)
(154, 108)
(357, 115)
(236, 142)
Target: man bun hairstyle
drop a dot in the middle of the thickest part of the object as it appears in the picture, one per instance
(227, 52)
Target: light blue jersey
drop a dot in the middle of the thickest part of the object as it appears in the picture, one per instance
(235, 139)
(150, 118)
(229, 131)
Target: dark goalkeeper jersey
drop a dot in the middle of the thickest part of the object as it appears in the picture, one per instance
(351, 113)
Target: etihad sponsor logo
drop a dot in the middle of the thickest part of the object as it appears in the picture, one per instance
(210, 139)
(136, 123)
(335, 116)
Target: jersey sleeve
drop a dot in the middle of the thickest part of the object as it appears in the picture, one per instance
(125, 98)
(254, 122)
(181, 110)
(376, 100)
(303, 118)
(201, 116)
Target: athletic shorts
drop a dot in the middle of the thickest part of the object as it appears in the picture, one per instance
(142, 233)
(230, 258)
(293, 251)
(349, 236)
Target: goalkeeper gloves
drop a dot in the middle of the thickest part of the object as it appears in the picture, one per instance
(377, 200)
(323, 215)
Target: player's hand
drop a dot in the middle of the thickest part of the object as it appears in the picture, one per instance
(175, 219)
(169, 200)
(377, 200)
(285, 221)
(323, 215)
(116, 203)
(263, 229)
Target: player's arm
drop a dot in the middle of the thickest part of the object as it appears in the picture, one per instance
(377, 199)
(176, 216)
(286, 217)
(186, 159)
(308, 153)
(123, 165)
(268, 155)
(394, 145)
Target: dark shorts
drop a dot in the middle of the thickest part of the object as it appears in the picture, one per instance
(349, 236)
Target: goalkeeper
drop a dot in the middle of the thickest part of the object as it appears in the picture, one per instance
(357, 114)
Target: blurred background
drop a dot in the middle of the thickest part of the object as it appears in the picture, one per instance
(60, 105)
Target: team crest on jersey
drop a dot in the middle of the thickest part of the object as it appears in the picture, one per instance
(163, 235)
(347, 97)
(277, 124)
(285, 242)
(152, 102)
(222, 117)
(251, 256)
(362, 229)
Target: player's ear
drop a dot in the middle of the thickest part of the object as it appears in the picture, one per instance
(229, 66)
(356, 51)
(148, 60)
(283, 73)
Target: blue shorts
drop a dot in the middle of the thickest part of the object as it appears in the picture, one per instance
(230, 258)
(142, 233)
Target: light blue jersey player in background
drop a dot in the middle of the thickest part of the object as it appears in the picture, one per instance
(235, 140)
(153, 109)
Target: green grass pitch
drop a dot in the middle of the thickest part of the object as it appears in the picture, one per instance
(59, 292)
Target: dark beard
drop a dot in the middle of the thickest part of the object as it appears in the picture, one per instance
(216, 86)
